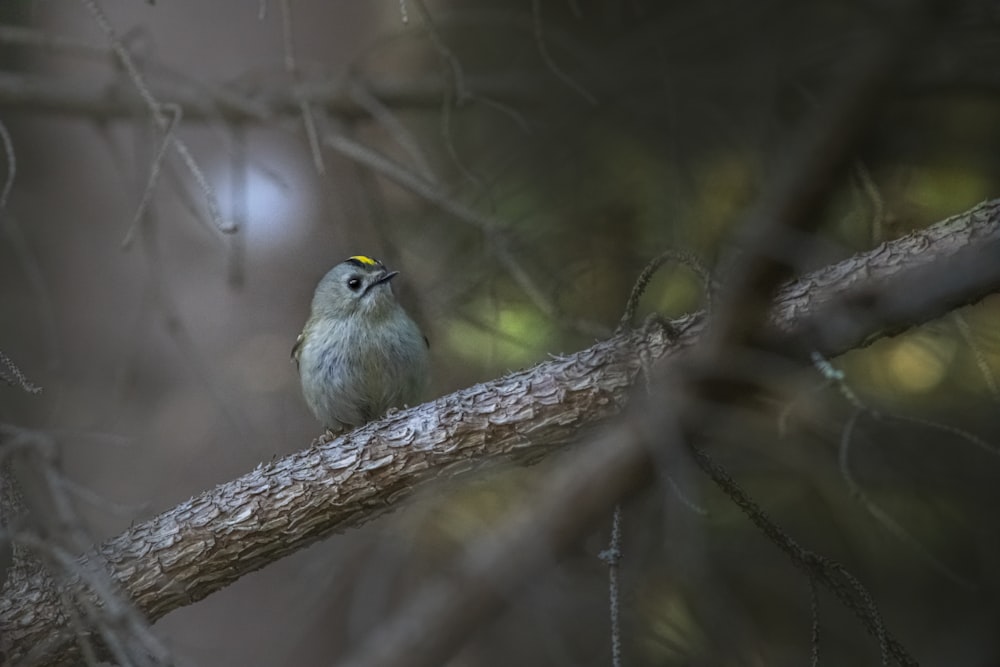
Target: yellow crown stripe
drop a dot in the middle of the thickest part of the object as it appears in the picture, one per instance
(364, 260)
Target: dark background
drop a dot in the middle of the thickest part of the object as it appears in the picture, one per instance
(590, 136)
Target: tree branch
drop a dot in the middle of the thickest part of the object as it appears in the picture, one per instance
(210, 541)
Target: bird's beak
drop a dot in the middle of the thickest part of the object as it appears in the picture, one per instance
(384, 278)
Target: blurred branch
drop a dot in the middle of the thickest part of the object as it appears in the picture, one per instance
(210, 541)
(157, 112)
(220, 102)
(40, 95)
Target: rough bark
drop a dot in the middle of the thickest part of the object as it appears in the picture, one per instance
(213, 539)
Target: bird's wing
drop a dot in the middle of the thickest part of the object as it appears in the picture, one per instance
(297, 348)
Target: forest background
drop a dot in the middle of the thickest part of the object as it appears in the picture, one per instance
(180, 174)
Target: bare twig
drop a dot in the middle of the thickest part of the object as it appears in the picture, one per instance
(642, 282)
(40, 294)
(8, 150)
(449, 141)
(884, 519)
(612, 556)
(977, 352)
(238, 195)
(449, 57)
(154, 175)
(877, 203)
(12, 375)
(388, 119)
(291, 67)
(156, 111)
(815, 631)
(543, 51)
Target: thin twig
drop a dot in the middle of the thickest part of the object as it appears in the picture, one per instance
(878, 204)
(8, 149)
(154, 174)
(988, 447)
(454, 66)
(388, 119)
(612, 556)
(885, 640)
(40, 294)
(239, 206)
(826, 571)
(291, 67)
(814, 613)
(882, 517)
(449, 141)
(543, 51)
(977, 352)
(156, 111)
(13, 373)
(642, 282)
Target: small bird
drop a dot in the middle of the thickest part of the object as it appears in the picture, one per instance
(359, 354)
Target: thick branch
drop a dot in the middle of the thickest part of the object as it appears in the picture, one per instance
(208, 542)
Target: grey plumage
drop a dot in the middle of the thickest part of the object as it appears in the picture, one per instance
(359, 353)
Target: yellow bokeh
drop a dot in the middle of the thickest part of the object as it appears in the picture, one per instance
(917, 364)
(943, 189)
(508, 336)
(672, 631)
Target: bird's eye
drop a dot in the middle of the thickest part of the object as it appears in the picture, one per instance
(354, 283)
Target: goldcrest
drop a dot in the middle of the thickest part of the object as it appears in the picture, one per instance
(359, 354)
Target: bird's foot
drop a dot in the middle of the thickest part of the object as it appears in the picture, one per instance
(328, 436)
